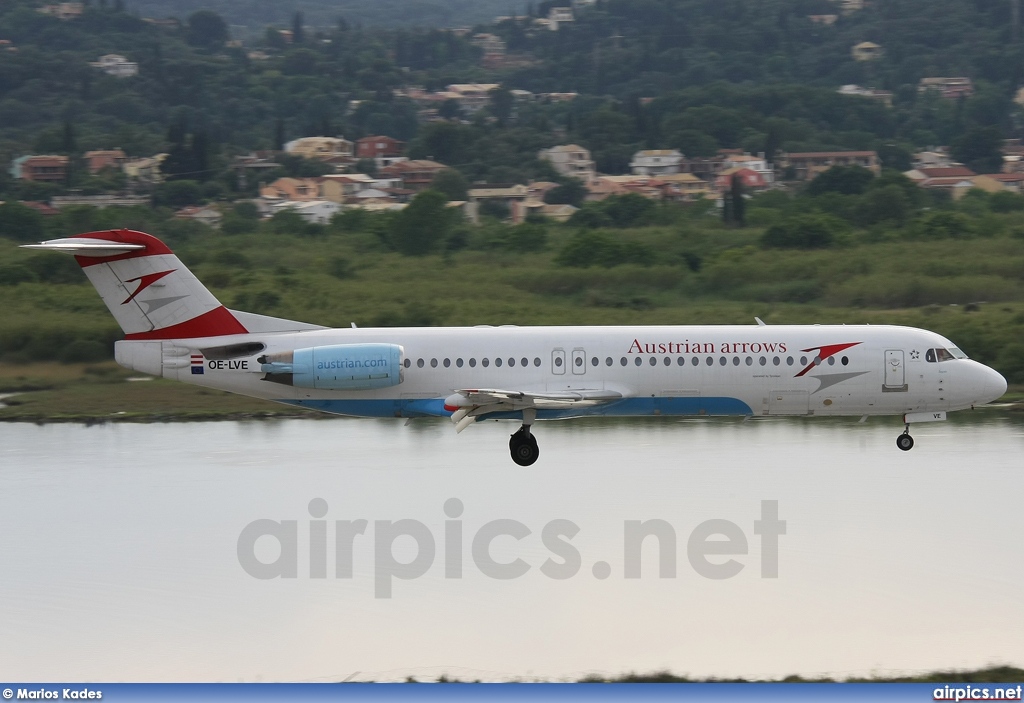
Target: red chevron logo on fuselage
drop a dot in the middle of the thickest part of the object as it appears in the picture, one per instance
(145, 282)
(824, 353)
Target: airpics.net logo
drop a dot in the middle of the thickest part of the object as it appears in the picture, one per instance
(269, 549)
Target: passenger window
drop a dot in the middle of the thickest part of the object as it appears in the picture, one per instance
(776, 360)
(407, 363)
(622, 361)
(524, 361)
(578, 361)
(447, 363)
(472, 363)
(595, 361)
(789, 361)
(497, 362)
(710, 361)
(608, 361)
(681, 361)
(735, 361)
(668, 361)
(695, 361)
(458, 362)
(536, 361)
(723, 361)
(750, 361)
(831, 361)
(511, 361)
(845, 360)
(419, 363)
(639, 361)
(762, 361)
(654, 361)
(433, 363)
(486, 362)
(558, 361)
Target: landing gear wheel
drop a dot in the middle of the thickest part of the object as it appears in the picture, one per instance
(523, 447)
(905, 442)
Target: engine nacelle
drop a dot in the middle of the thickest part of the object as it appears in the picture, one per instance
(338, 367)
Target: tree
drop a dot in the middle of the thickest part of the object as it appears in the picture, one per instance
(20, 223)
(422, 226)
(738, 207)
(451, 183)
(846, 180)
(206, 29)
(979, 149)
(298, 31)
(501, 104)
(572, 192)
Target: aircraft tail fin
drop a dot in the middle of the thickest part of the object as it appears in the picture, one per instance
(147, 289)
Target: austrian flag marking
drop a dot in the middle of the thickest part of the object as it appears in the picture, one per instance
(197, 364)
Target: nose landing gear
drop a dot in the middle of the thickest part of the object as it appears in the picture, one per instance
(905, 441)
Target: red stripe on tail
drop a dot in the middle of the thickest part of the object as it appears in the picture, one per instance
(125, 236)
(215, 323)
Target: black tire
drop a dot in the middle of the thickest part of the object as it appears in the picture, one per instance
(905, 442)
(523, 448)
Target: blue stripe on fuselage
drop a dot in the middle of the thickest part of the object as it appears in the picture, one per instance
(434, 407)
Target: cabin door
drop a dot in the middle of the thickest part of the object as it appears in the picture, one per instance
(895, 373)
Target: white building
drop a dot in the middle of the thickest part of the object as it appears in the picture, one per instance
(317, 212)
(117, 66)
(571, 160)
(656, 162)
(754, 163)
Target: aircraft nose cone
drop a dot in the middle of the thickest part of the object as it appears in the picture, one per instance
(992, 385)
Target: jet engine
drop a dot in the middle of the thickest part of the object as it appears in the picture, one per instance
(338, 367)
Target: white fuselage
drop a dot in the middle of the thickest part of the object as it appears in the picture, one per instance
(658, 370)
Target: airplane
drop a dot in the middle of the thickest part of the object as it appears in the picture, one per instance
(175, 328)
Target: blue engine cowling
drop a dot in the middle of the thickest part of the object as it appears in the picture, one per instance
(338, 367)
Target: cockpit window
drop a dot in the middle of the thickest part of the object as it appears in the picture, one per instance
(955, 351)
(940, 354)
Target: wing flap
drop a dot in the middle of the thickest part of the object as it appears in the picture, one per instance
(468, 404)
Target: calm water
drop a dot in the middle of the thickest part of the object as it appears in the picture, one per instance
(118, 550)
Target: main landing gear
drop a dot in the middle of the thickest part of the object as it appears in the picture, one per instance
(905, 441)
(523, 446)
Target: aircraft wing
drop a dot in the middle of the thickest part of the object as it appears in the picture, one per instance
(469, 404)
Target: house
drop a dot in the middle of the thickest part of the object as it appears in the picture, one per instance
(317, 212)
(415, 174)
(866, 51)
(43, 169)
(754, 163)
(749, 178)
(99, 201)
(205, 214)
(96, 161)
(921, 175)
(64, 10)
(512, 196)
(949, 88)
(931, 159)
(292, 189)
(144, 169)
(571, 160)
(558, 213)
(807, 165)
(655, 162)
(884, 96)
(339, 187)
(116, 65)
(321, 148)
(471, 97)
(378, 147)
(684, 187)
(704, 168)
(493, 48)
(557, 16)
(997, 182)
(823, 19)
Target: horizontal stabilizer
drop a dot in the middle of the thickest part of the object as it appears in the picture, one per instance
(85, 247)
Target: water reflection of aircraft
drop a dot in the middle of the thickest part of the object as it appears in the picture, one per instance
(175, 328)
